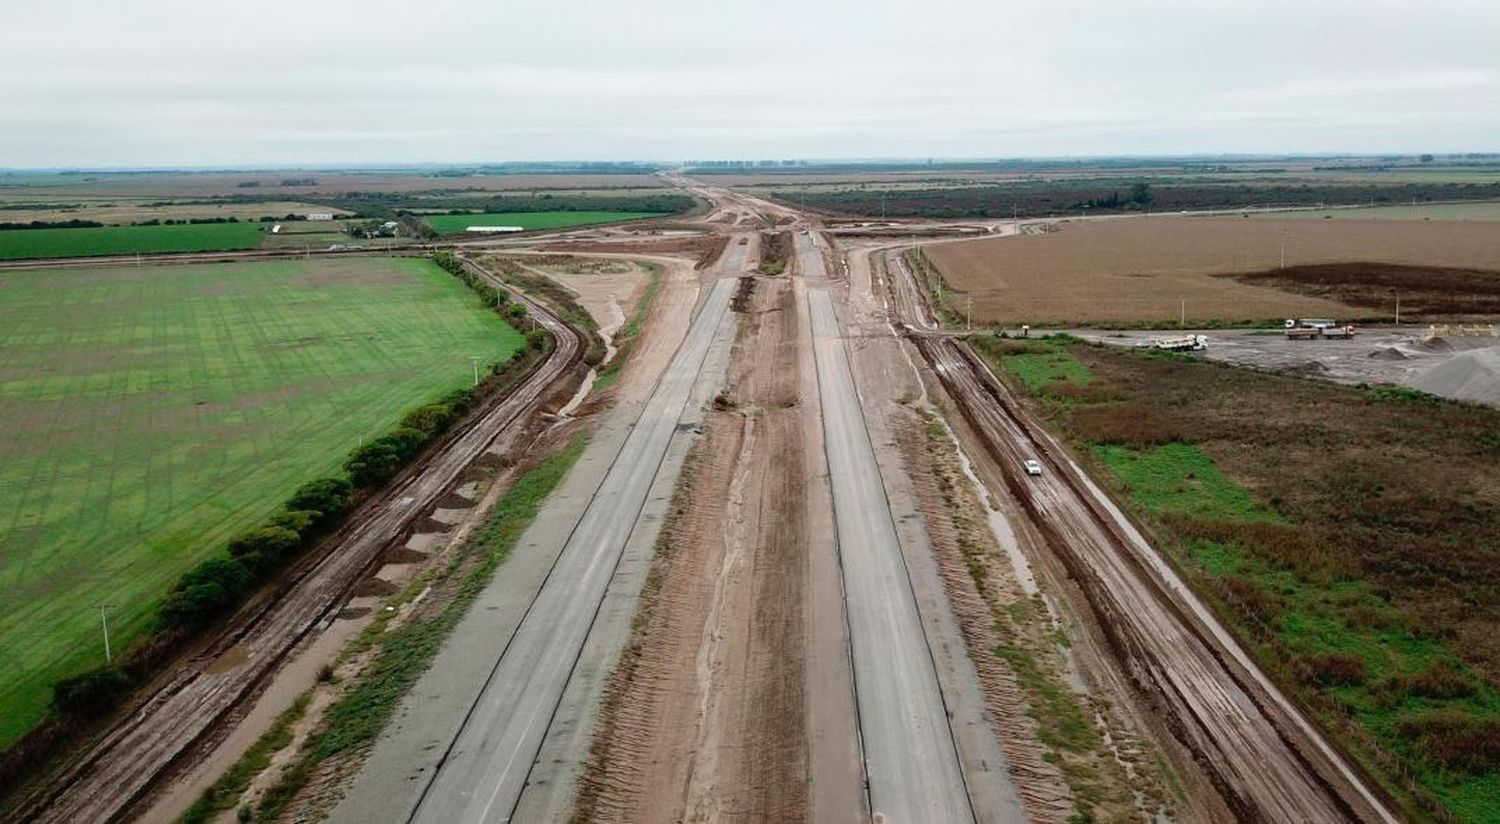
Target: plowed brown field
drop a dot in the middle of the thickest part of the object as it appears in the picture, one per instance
(1142, 270)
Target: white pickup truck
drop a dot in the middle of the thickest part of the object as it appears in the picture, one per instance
(1033, 468)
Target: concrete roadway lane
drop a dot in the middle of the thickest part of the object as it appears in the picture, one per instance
(910, 759)
(484, 771)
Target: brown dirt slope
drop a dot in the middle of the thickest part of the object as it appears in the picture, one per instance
(1141, 269)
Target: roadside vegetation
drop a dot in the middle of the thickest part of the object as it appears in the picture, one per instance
(410, 323)
(401, 649)
(625, 337)
(775, 249)
(1346, 535)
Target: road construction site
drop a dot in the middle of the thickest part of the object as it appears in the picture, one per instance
(746, 600)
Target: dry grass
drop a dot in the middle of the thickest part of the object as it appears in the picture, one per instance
(1427, 292)
(1133, 271)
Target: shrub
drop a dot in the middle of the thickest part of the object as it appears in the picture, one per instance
(1439, 680)
(271, 542)
(296, 520)
(431, 419)
(1335, 668)
(536, 339)
(1126, 424)
(205, 591)
(1455, 740)
(328, 496)
(91, 694)
(379, 459)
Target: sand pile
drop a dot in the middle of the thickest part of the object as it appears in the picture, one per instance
(1388, 353)
(1471, 376)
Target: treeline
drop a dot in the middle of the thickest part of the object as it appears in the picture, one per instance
(666, 202)
(219, 584)
(185, 221)
(1055, 198)
(53, 224)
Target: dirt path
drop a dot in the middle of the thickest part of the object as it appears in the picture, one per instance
(705, 721)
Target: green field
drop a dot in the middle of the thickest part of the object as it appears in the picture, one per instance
(150, 413)
(17, 244)
(453, 224)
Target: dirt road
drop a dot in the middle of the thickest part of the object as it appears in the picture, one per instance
(193, 700)
(704, 718)
(1264, 757)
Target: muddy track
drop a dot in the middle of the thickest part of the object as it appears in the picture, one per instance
(1268, 762)
(704, 718)
(189, 704)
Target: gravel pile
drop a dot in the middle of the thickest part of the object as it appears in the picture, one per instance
(1470, 376)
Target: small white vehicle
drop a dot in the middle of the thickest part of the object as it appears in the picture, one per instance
(1033, 468)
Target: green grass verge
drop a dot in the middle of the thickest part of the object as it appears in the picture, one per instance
(454, 224)
(406, 652)
(18, 244)
(224, 794)
(152, 413)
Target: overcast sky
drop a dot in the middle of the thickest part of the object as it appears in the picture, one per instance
(201, 82)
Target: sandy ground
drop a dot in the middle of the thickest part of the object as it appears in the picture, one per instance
(705, 722)
(1457, 367)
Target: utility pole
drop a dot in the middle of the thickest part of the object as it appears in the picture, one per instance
(474, 360)
(1398, 308)
(1182, 314)
(104, 622)
(969, 313)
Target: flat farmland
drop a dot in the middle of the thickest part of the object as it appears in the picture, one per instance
(18, 244)
(1141, 270)
(151, 413)
(455, 224)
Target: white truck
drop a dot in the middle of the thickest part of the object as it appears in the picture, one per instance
(1181, 343)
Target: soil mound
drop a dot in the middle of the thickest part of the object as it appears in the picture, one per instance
(1471, 376)
(1388, 353)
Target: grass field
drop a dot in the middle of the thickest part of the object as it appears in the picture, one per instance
(1150, 270)
(150, 413)
(454, 224)
(17, 244)
(1346, 535)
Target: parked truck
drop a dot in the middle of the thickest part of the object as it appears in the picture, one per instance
(1314, 328)
(1181, 343)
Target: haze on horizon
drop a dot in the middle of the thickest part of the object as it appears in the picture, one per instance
(91, 83)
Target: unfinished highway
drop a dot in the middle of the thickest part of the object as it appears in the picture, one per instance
(481, 776)
(911, 762)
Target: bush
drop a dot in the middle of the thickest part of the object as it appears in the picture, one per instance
(431, 419)
(379, 459)
(1440, 680)
(270, 542)
(328, 496)
(92, 693)
(1335, 668)
(205, 591)
(1126, 424)
(1455, 740)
